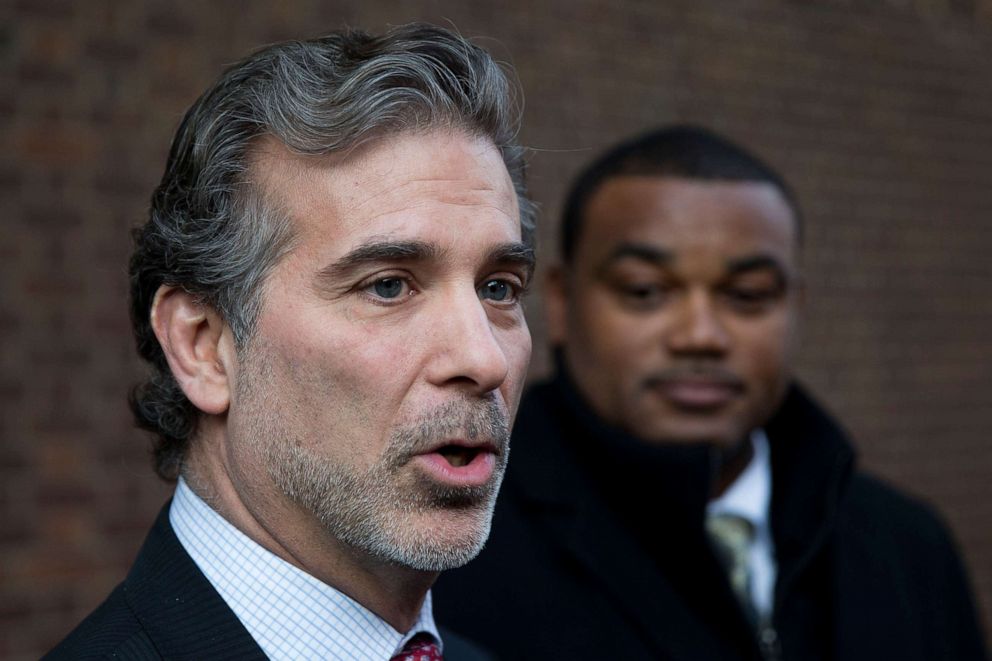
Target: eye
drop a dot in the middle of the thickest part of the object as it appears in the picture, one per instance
(388, 288)
(498, 290)
(643, 295)
(752, 300)
(642, 292)
(754, 291)
(745, 295)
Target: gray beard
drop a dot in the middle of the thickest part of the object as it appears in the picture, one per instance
(385, 510)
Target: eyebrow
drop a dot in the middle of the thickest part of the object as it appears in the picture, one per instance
(377, 251)
(518, 254)
(756, 263)
(661, 257)
(639, 251)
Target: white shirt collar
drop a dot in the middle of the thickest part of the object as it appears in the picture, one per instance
(749, 496)
(290, 614)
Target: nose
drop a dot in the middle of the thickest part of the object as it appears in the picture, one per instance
(697, 329)
(467, 350)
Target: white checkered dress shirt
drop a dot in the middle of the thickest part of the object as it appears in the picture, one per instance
(290, 614)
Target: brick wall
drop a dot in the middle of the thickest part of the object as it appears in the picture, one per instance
(880, 113)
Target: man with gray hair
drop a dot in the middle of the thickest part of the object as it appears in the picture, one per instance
(328, 293)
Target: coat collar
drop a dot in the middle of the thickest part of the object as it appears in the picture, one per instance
(606, 498)
(812, 463)
(592, 520)
(178, 608)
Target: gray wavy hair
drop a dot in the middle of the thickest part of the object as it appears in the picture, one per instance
(210, 232)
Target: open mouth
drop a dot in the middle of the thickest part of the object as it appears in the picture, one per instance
(458, 455)
(459, 465)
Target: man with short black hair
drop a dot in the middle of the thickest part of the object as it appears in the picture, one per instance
(674, 493)
(328, 292)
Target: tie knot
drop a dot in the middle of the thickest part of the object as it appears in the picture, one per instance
(422, 647)
(730, 531)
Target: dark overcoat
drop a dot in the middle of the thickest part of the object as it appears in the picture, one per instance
(598, 551)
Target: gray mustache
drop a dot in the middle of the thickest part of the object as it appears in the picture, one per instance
(476, 420)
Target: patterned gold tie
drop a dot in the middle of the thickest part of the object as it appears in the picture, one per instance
(732, 536)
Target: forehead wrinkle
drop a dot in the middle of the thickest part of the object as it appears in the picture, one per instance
(396, 190)
(451, 188)
(406, 205)
(380, 182)
(477, 196)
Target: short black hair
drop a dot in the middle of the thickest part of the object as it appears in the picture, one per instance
(685, 151)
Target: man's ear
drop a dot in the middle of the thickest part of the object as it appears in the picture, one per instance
(198, 345)
(556, 304)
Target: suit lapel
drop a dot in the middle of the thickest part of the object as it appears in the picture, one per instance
(181, 612)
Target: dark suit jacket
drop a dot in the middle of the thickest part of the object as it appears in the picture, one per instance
(167, 609)
(598, 551)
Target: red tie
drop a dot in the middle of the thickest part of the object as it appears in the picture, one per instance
(421, 647)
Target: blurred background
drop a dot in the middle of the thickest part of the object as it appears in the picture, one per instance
(879, 112)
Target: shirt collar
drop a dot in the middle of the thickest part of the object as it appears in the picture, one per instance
(749, 496)
(302, 617)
